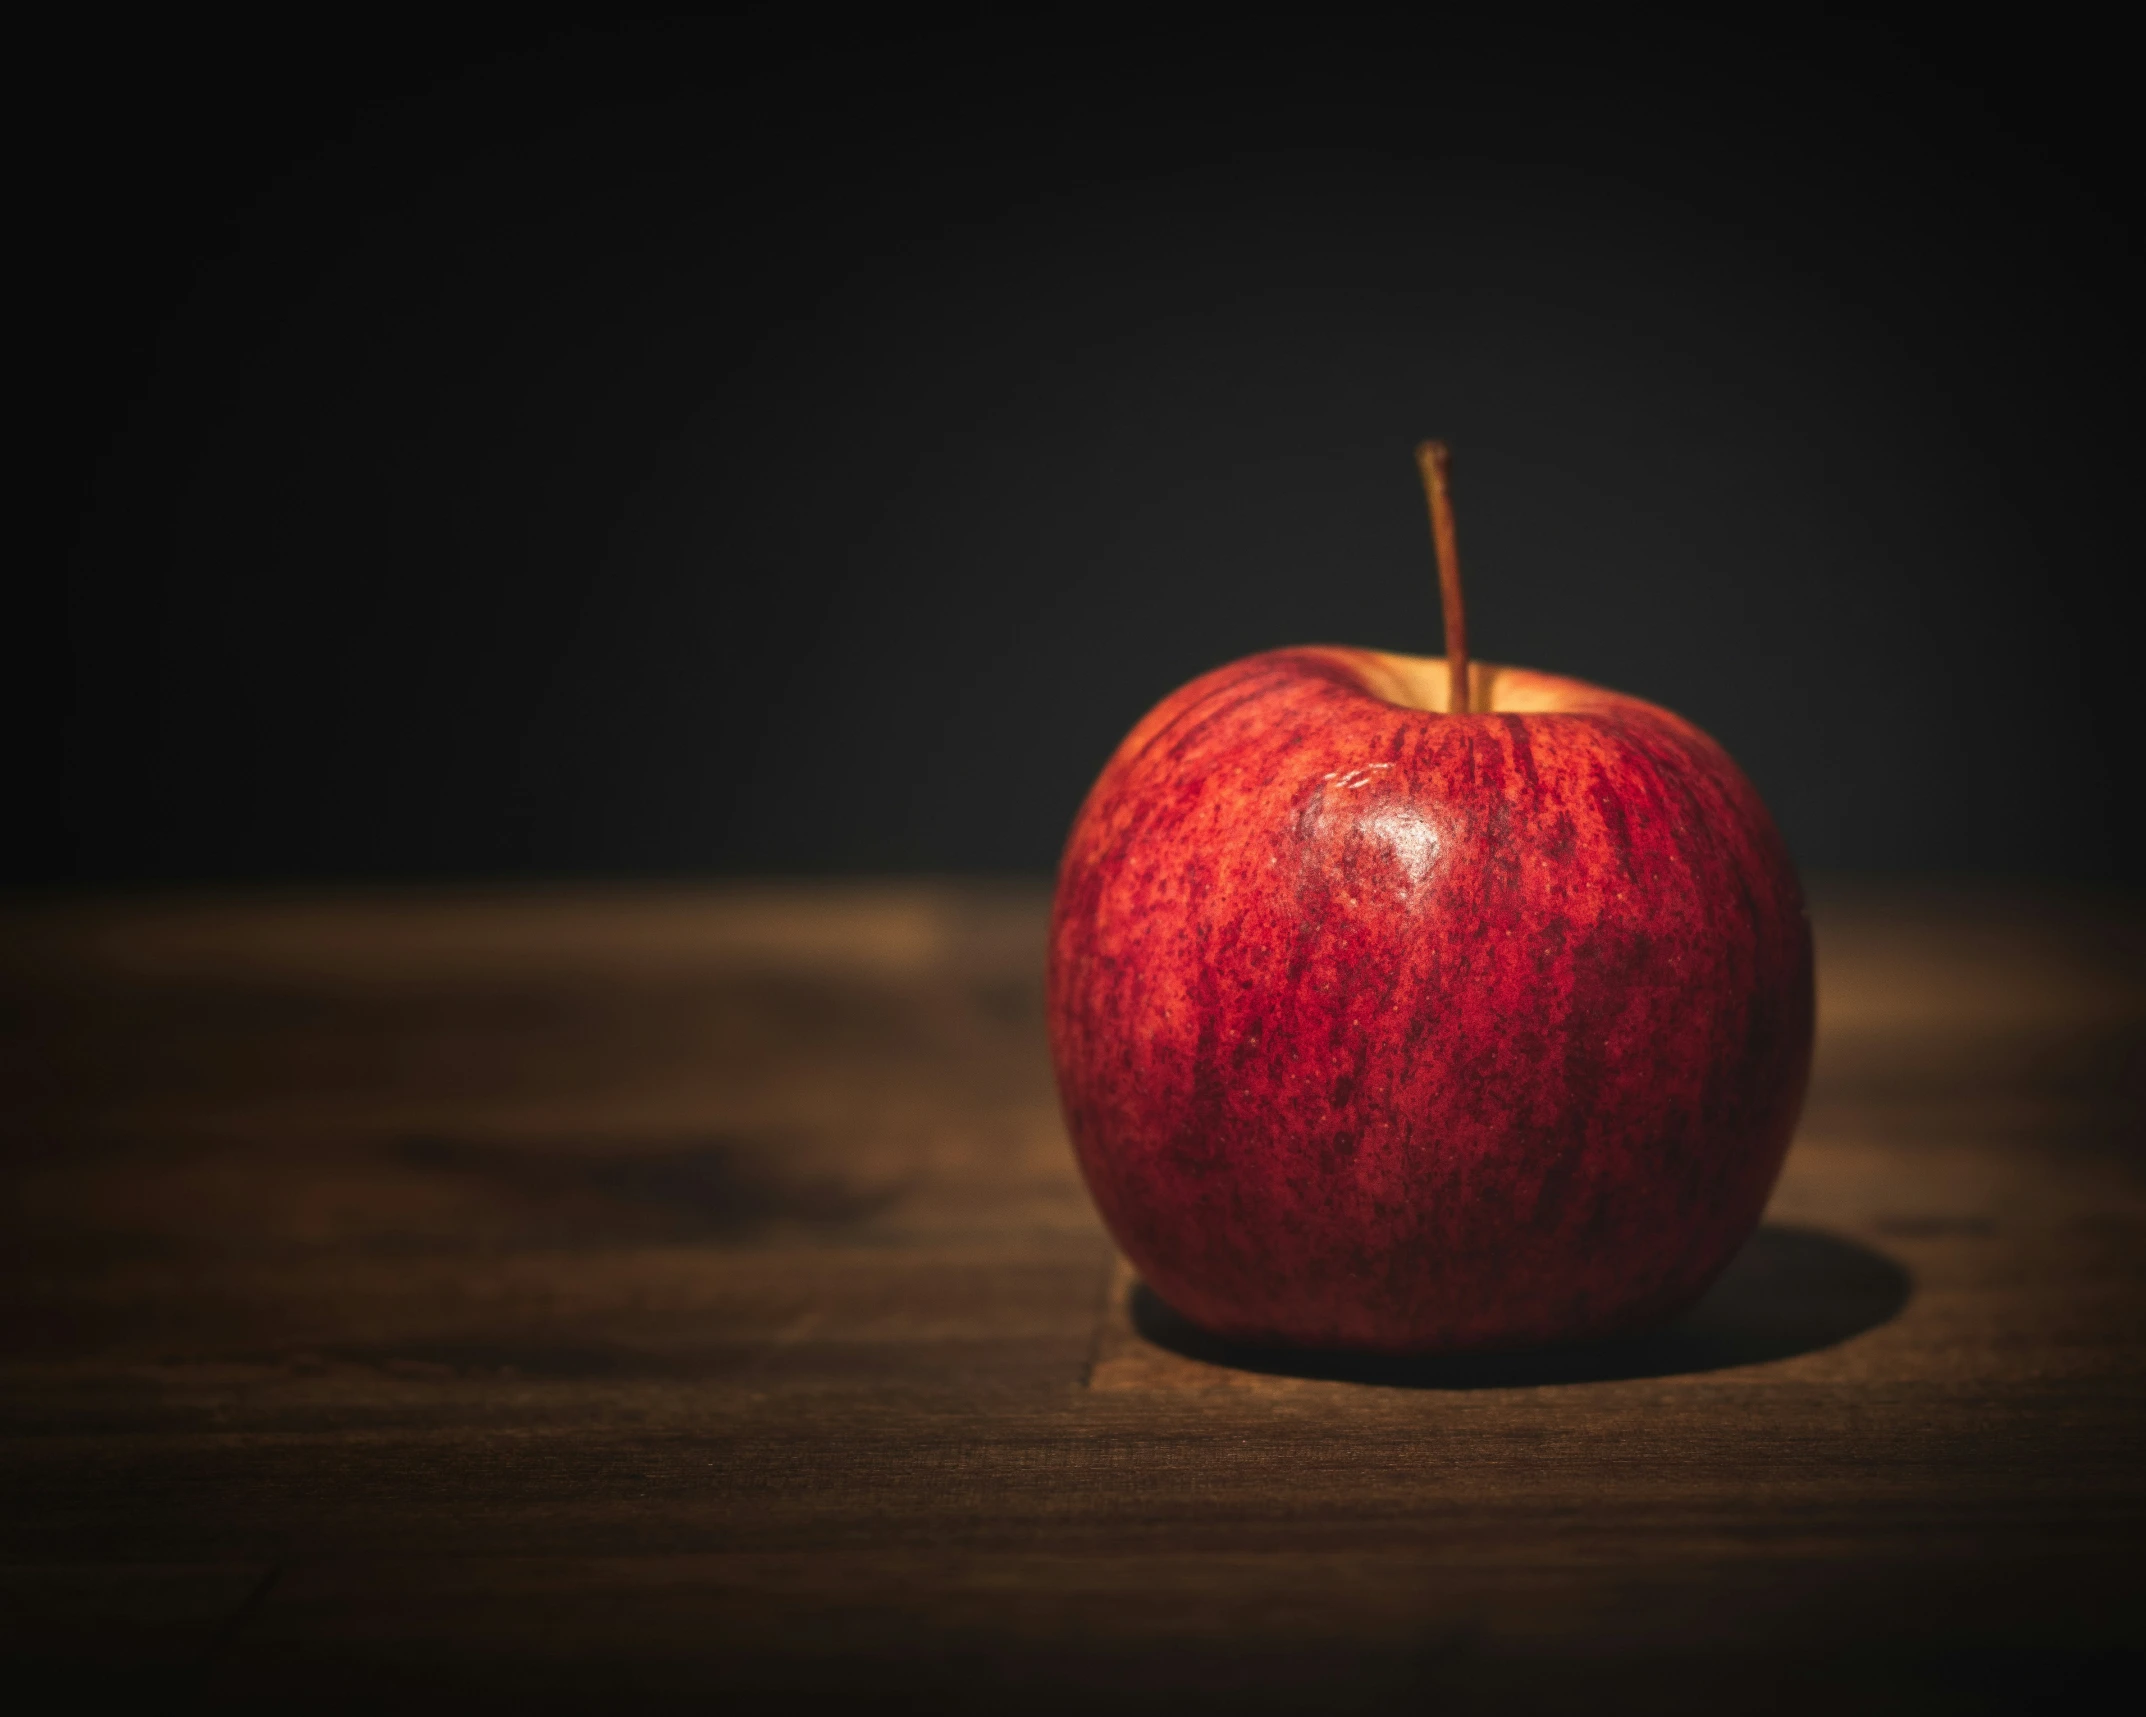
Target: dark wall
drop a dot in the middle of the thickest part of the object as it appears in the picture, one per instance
(679, 448)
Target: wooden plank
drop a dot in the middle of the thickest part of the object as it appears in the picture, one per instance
(688, 1293)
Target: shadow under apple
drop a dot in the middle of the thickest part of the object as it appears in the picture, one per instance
(1790, 1291)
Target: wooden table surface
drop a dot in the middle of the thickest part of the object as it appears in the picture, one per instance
(643, 1297)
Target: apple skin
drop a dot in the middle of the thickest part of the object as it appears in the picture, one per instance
(1385, 1029)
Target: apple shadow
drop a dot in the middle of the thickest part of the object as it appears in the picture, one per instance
(1790, 1291)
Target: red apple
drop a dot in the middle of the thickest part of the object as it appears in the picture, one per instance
(1387, 1028)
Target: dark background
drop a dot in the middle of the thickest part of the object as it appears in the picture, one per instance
(737, 445)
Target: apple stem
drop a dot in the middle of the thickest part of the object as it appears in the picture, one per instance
(1432, 460)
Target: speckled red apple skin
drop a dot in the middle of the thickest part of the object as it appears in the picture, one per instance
(1385, 1029)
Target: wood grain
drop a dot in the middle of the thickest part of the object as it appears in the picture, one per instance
(553, 1298)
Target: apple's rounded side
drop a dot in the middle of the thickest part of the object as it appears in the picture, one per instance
(1386, 1029)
